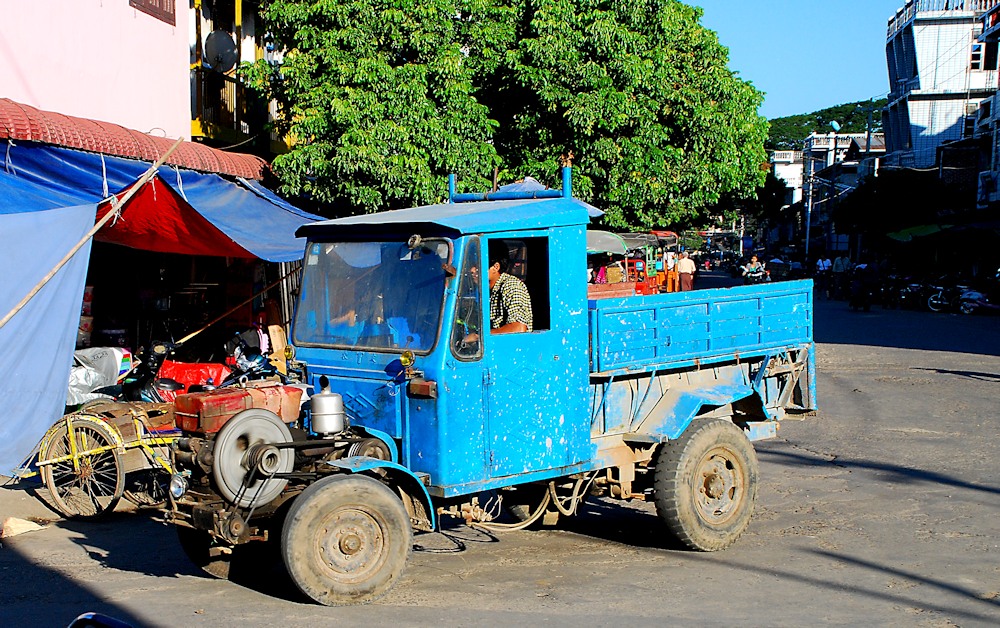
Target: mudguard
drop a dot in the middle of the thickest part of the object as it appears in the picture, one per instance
(680, 405)
(403, 477)
(382, 436)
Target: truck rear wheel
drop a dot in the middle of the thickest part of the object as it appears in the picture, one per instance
(706, 484)
(346, 540)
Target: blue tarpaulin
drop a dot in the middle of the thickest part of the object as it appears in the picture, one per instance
(36, 345)
(49, 198)
(34, 177)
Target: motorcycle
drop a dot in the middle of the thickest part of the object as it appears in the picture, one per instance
(143, 383)
(752, 275)
(862, 286)
(946, 297)
(913, 295)
(972, 299)
(115, 374)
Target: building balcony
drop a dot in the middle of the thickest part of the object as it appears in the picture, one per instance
(909, 11)
(991, 22)
(221, 108)
(786, 157)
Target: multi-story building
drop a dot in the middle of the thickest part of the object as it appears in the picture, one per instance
(830, 170)
(120, 62)
(987, 127)
(939, 71)
(786, 165)
(224, 112)
(109, 87)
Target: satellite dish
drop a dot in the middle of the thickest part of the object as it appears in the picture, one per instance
(220, 51)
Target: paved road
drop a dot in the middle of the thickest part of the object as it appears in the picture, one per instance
(883, 509)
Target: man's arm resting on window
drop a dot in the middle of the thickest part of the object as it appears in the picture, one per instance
(514, 327)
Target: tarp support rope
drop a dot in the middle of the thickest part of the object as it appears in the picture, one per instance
(7, 164)
(180, 183)
(104, 177)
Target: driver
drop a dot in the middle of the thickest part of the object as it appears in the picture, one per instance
(510, 303)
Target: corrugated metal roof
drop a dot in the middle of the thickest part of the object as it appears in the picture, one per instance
(24, 122)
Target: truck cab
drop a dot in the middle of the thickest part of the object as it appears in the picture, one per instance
(485, 409)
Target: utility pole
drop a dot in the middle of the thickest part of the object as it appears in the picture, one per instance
(809, 211)
(868, 130)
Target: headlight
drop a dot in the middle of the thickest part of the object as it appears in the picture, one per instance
(289, 352)
(178, 486)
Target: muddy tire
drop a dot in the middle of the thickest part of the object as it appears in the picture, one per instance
(705, 484)
(346, 540)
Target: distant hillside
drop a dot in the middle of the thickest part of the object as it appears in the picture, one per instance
(787, 133)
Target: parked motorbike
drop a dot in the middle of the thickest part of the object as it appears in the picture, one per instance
(946, 296)
(144, 384)
(863, 285)
(911, 293)
(141, 383)
(972, 299)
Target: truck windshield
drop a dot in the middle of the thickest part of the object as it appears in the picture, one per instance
(385, 296)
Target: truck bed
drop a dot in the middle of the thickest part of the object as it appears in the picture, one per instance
(664, 331)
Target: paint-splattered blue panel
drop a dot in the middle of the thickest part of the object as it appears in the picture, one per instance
(632, 333)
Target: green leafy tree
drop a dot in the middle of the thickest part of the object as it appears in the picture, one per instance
(640, 93)
(378, 98)
(385, 97)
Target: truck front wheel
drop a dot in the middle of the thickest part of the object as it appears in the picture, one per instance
(346, 540)
(706, 484)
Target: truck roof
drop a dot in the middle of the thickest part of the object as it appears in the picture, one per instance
(462, 218)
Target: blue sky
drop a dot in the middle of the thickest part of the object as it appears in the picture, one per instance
(805, 54)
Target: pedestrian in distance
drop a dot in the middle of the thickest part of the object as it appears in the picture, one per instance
(686, 270)
(822, 276)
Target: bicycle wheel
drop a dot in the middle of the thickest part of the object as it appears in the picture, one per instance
(147, 488)
(89, 483)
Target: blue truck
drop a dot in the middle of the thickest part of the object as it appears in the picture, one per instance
(418, 411)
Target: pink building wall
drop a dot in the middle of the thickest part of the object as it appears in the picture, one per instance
(98, 59)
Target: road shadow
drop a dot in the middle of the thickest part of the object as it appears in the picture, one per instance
(977, 375)
(618, 522)
(917, 599)
(36, 595)
(835, 323)
(892, 473)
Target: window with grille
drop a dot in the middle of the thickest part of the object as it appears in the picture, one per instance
(976, 58)
(165, 10)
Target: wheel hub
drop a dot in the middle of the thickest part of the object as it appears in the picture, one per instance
(721, 489)
(715, 486)
(350, 544)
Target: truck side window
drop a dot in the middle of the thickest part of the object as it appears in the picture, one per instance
(529, 262)
(466, 342)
